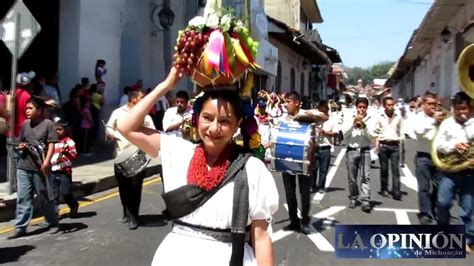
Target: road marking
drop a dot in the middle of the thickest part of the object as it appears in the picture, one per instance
(408, 179)
(317, 238)
(402, 217)
(393, 210)
(81, 205)
(332, 172)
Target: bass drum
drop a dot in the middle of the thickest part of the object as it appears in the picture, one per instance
(293, 148)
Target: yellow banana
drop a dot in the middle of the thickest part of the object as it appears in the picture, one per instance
(205, 61)
(247, 89)
(240, 53)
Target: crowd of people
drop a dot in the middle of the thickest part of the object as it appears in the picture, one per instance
(202, 176)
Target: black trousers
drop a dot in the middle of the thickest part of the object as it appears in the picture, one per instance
(289, 181)
(390, 153)
(428, 179)
(130, 190)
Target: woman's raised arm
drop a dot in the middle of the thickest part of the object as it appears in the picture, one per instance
(132, 127)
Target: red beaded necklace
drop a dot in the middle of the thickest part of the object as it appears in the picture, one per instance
(198, 173)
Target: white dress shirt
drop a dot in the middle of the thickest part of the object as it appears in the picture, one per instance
(329, 125)
(118, 114)
(390, 129)
(451, 133)
(425, 131)
(172, 117)
(123, 100)
(359, 138)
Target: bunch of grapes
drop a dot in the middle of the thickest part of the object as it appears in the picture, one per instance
(252, 45)
(189, 47)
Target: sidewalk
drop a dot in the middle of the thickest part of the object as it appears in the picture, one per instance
(91, 175)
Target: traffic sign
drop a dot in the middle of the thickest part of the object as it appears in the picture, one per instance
(28, 28)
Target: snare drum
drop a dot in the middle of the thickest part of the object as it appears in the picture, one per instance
(293, 148)
(131, 161)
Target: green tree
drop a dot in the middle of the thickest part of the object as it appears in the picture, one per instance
(368, 74)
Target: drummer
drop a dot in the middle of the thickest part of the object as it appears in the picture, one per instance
(130, 188)
(294, 113)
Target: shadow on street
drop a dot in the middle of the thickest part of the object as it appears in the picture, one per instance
(12, 254)
(153, 220)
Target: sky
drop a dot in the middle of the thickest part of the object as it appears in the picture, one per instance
(367, 32)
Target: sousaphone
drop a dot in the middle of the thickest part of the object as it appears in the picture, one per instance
(465, 67)
(454, 162)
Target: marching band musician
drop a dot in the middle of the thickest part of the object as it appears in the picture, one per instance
(359, 131)
(456, 135)
(292, 104)
(323, 148)
(130, 188)
(390, 127)
(424, 126)
(175, 116)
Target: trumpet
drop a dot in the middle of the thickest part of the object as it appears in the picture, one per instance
(359, 120)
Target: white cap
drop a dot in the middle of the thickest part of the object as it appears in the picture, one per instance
(25, 78)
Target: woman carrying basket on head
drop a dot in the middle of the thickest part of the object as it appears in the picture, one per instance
(230, 214)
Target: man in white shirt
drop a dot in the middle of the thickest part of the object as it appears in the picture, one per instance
(325, 132)
(124, 99)
(130, 188)
(425, 126)
(390, 127)
(292, 104)
(456, 135)
(359, 131)
(174, 116)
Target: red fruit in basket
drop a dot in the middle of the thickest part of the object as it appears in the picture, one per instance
(192, 33)
(192, 56)
(192, 44)
(189, 68)
(190, 62)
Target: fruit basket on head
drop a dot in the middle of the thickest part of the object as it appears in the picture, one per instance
(215, 50)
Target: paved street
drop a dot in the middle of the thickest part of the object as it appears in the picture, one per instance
(98, 237)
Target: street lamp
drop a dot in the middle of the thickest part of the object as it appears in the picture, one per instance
(165, 17)
(446, 35)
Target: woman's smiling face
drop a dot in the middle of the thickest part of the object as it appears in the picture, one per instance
(217, 124)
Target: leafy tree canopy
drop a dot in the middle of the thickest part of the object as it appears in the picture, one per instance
(377, 71)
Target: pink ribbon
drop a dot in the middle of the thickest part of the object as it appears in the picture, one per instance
(215, 46)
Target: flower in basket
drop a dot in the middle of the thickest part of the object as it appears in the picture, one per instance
(215, 50)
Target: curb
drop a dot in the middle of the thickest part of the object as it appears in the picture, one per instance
(81, 190)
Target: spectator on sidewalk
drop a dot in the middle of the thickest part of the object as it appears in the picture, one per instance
(32, 169)
(23, 94)
(175, 116)
(86, 125)
(61, 167)
(124, 99)
(100, 72)
(130, 188)
(97, 101)
(51, 90)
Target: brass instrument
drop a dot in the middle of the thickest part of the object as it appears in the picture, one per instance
(455, 162)
(189, 132)
(359, 121)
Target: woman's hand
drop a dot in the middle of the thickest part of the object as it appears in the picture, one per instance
(174, 76)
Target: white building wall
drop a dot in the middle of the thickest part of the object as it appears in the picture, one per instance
(437, 71)
(290, 59)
